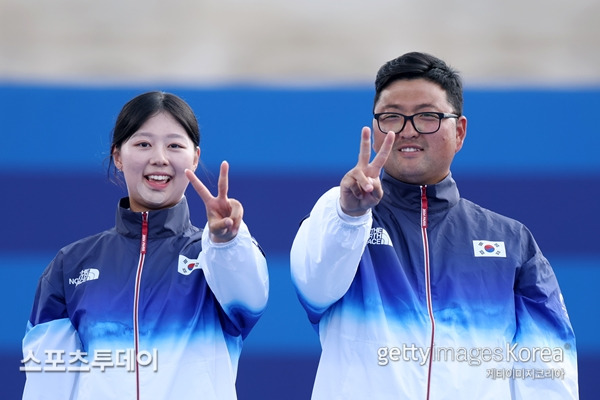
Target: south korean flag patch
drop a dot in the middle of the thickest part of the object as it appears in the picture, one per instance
(488, 248)
(187, 265)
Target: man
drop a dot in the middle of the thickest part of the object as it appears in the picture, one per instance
(415, 292)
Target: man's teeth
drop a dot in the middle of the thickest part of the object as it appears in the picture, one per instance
(409, 149)
(161, 178)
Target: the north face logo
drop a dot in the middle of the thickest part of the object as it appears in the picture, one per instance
(85, 275)
(379, 236)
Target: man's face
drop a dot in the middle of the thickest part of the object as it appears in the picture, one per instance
(422, 159)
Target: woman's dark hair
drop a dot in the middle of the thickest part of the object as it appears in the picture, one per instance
(421, 65)
(143, 107)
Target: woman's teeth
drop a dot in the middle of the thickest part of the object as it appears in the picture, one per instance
(159, 178)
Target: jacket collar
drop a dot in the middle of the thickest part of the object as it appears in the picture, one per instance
(161, 223)
(440, 197)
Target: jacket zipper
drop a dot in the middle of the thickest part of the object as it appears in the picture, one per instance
(136, 299)
(424, 224)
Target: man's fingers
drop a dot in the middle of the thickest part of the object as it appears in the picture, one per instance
(202, 190)
(223, 185)
(364, 156)
(361, 187)
(384, 151)
(367, 185)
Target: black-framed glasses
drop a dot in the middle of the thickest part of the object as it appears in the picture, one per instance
(423, 122)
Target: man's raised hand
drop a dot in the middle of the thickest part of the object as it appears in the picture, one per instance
(360, 188)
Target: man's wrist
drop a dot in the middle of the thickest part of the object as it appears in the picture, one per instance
(350, 218)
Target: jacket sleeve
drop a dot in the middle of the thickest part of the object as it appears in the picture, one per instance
(50, 341)
(236, 273)
(544, 351)
(326, 252)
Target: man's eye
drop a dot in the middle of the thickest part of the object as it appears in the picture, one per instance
(390, 117)
(428, 116)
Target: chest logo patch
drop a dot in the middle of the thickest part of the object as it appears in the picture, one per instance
(187, 265)
(488, 248)
(85, 275)
(379, 236)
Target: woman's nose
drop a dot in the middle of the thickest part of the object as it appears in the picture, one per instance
(159, 156)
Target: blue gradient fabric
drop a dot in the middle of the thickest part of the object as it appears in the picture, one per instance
(430, 296)
(119, 317)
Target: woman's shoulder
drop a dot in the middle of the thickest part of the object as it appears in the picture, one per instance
(88, 242)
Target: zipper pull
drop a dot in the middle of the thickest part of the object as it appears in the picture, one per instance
(144, 244)
(424, 206)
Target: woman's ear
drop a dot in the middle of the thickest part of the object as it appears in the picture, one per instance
(196, 158)
(116, 155)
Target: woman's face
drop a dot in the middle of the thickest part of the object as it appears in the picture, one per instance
(153, 161)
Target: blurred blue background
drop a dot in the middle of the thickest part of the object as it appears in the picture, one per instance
(281, 89)
(529, 154)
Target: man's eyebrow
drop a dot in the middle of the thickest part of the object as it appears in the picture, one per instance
(399, 108)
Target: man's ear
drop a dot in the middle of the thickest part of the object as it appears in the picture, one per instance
(461, 132)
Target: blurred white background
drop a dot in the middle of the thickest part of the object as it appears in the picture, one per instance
(285, 42)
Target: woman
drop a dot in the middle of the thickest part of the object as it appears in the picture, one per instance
(153, 308)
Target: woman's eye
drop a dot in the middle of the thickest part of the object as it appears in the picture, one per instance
(143, 144)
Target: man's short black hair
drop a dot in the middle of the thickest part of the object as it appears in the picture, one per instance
(417, 65)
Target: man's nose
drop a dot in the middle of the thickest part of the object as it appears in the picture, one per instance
(409, 131)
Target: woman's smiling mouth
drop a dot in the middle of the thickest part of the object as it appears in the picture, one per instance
(158, 180)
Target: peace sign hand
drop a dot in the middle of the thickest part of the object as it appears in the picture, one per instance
(224, 215)
(360, 188)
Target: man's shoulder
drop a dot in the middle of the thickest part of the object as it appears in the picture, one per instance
(476, 210)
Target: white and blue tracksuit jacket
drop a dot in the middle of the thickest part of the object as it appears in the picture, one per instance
(150, 309)
(430, 296)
